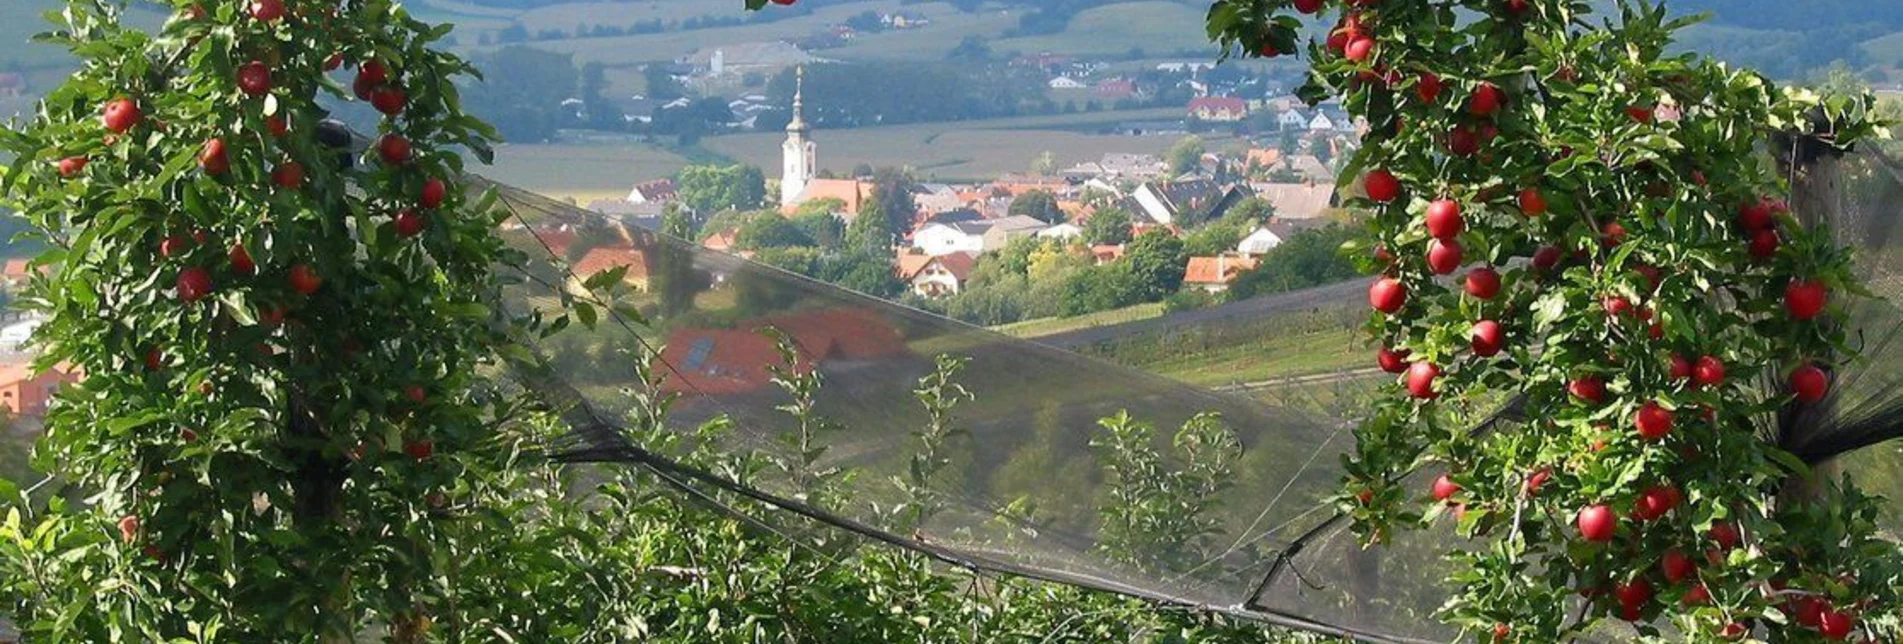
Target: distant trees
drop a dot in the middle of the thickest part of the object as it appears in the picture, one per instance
(522, 92)
(1038, 204)
(1186, 154)
(1110, 225)
(1044, 164)
(970, 50)
(892, 196)
(1157, 260)
(712, 189)
(1305, 259)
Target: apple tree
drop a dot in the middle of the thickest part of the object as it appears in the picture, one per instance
(1572, 215)
(281, 339)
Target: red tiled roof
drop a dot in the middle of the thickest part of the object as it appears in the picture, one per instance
(1107, 252)
(606, 257)
(1218, 104)
(733, 361)
(852, 192)
(958, 264)
(1217, 270)
(16, 269)
(721, 241)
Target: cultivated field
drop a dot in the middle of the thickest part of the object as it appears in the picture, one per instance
(581, 172)
(1116, 29)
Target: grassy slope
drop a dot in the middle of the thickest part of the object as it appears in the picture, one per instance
(1047, 326)
(1887, 50)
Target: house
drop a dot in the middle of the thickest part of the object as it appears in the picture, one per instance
(855, 194)
(14, 337)
(1291, 119)
(1140, 167)
(1214, 274)
(1263, 157)
(1065, 231)
(721, 241)
(1218, 108)
(1267, 236)
(1321, 123)
(1311, 167)
(1296, 200)
(1106, 253)
(936, 276)
(1066, 82)
(603, 258)
(16, 273)
(957, 237)
(716, 362)
(1189, 67)
(1115, 89)
(1005, 229)
(25, 393)
(1170, 202)
(740, 58)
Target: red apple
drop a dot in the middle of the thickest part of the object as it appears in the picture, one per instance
(1429, 87)
(1443, 256)
(1641, 114)
(1653, 421)
(1359, 49)
(1381, 185)
(1420, 380)
(154, 360)
(121, 114)
(1612, 234)
(419, 450)
(1835, 625)
(1805, 299)
(1487, 99)
(408, 223)
(434, 191)
(1635, 593)
(335, 61)
(1463, 141)
(1697, 595)
(1726, 535)
(241, 260)
(254, 78)
(1546, 258)
(1517, 6)
(1653, 276)
(212, 158)
(267, 10)
(372, 73)
(305, 280)
(194, 283)
(1810, 611)
(389, 100)
(288, 175)
(1764, 244)
(1596, 523)
(1483, 283)
(394, 149)
(1537, 481)
(276, 125)
(1810, 383)
(415, 393)
(1681, 368)
(1532, 203)
(1392, 360)
(1588, 388)
(1443, 219)
(1387, 295)
(1676, 566)
(1708, 371)
(1755, 215)
(1445, 488)
(1616, 306)
(1308, 6)
(1487, 338)
(173, 246)
(70, 167)
(1656, 502)
(1501, 631)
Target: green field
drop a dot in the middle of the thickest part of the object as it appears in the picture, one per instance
(1047, 326)
(1116, 29)
(624, 50)
(581, 172)
(1887, 50)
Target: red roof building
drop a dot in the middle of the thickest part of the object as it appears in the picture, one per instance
(1218, 108)
(739, 360)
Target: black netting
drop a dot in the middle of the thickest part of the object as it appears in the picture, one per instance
(1025, 491)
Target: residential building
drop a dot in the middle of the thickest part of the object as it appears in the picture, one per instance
(1171, 202)
(15, 336)
(1066, 82)
(1291, 119)
(1306, 200)
(1005, 229)
(721, 241)
(936, 276)
(1065, 231)
(25, 393)
(603, 258)
(741, 58)
(729, 361)
(1106, 253)
(853, 194)
(1115, 89)
(1321, 123)
(16, 273)
(957, 237)
(1270, 235)
(1215, 274)
(1218, 108)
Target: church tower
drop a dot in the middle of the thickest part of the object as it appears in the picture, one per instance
(800, 156)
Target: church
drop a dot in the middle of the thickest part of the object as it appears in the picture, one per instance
(799, 166)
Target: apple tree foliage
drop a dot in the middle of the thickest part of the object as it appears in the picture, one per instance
(1569, 212)
(280, 343)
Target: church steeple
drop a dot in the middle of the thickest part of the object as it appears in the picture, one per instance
(799, 155)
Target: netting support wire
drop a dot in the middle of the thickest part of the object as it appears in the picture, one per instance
(679, 472)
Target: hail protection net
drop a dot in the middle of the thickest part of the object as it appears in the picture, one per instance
(1217, 494)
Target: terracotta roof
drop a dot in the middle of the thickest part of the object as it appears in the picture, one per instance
(1217, 270)
(1264, 157)
(1218, 104)
(16, 269)
(1075, 210)
(17, 373)
(721, 241)
(656, 190)
(958, 264)
(733, 361)
(852, 192)
(606, 257)
(1107, 252)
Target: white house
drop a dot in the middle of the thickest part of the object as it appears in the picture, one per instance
(15, 336)
(1259, 242)
(944, 239)
(1321, 123)
(1291, 120)
(1065, 231)
(938, 276)
(1066, 82)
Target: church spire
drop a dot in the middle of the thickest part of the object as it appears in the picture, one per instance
(798, 124)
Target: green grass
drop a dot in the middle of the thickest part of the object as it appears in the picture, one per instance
(581, 172)
(1047, 326)
(1278, 356)
(623, 50)
(1887, 50)
(1155, 26)
(969, 150)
